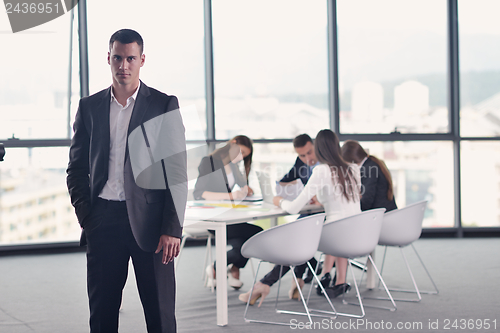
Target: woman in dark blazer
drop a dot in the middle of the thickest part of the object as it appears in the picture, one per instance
(218, 174)
(376, 181)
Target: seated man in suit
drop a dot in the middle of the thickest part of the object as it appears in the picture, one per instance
(305, 162)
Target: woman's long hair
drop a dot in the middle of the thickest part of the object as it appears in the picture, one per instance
(353, 152)
(243, 140)
(327, 149)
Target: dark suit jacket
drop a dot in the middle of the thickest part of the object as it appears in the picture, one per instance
(300, 170)
(374, 190)
(151, 212)
(212, 181)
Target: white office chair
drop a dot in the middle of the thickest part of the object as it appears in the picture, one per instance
(353, 237)
(400, 228)
(197, 233)
(290, 244)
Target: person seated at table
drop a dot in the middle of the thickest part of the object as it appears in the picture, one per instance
(376, 188)
(336, 184)
(218, 175)
(376, 180)
(302, 169)
(305, 162)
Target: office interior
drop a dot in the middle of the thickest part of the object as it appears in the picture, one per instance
(417, 83)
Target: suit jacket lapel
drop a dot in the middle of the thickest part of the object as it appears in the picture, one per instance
(102, 122)
(140, 108)
(103, 116)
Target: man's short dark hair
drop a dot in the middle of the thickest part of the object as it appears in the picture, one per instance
(301, 140)
(126, 36)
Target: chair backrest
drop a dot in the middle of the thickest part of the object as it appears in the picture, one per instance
(288, 244)
(353, 236)
(403, 226)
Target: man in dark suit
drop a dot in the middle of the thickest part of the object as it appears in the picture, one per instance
(121, 217)
(302, 169)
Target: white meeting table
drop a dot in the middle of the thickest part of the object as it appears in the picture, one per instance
(199, 216)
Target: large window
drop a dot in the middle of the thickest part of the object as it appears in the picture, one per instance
(34, 80)
(39, 91)
(271, 61)
(173, 45)
(34, 200)
(270, 68)
(480, 181)
(479, 67)
(420, 171)
(392, 66)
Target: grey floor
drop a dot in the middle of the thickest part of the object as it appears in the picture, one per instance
(47, 293)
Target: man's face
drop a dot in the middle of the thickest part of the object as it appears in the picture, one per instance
(126, 61)
(306, 154)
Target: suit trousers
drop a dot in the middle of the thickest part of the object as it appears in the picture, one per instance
(274, 275)
(110, 245)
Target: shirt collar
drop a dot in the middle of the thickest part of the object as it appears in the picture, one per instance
(312, 166)
(134, 95)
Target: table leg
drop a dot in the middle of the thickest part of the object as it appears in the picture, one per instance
(274, 221)
(371, 276)
(221, 257)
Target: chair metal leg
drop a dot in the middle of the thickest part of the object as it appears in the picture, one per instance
(209, 249)
(251, 266)
(413, 281)
(206, 260)
(304, 303)
(415, 290)
(360, 304)
(315, 273)
(387, 290)
(357, 294)
(208, 255)
(419, 297)
(359, 265)
(302, 299)
(250, 297)
(428, 274)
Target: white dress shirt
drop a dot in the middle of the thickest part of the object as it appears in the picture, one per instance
(119, 119)
(330, 195)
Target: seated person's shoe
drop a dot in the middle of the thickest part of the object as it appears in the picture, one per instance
(338, 290)
(260, 290)
(231, 280)
(293, 293)
(325, 282)
(210, 281)
(309, 276)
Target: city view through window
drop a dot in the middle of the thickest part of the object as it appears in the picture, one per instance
(271, 82)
